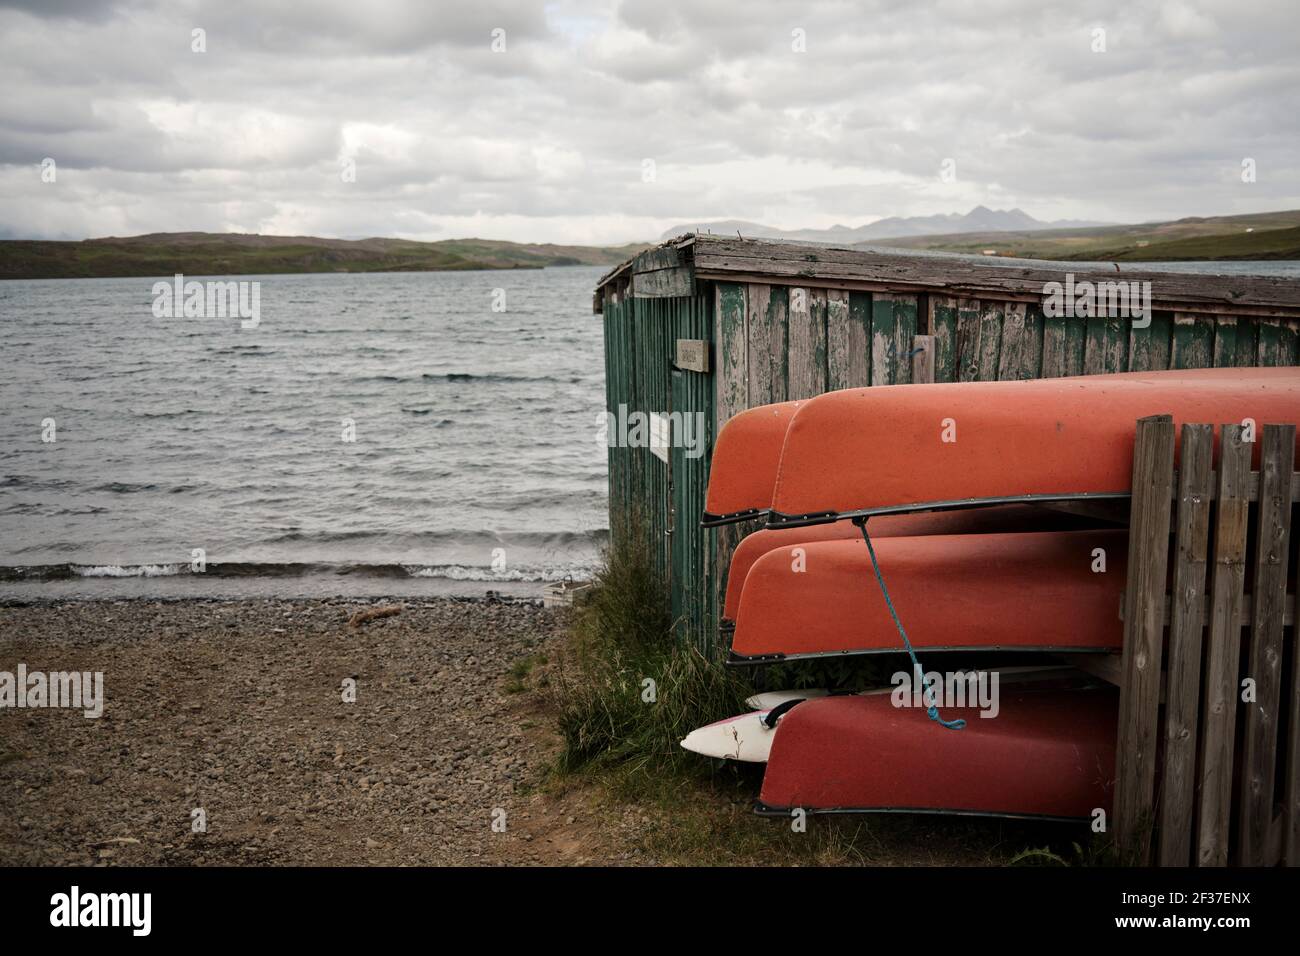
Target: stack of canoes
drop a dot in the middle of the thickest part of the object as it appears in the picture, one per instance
(970, 495)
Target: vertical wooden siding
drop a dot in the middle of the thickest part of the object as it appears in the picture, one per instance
(981, 340)
(692, 546)
(662, 501)
(636, 380)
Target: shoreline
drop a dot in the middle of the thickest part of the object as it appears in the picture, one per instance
(320, 588)
(234, 707)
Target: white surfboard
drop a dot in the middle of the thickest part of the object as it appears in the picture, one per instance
(775, 698)
(745, 738)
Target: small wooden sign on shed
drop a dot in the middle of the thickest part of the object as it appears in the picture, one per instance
(693, 355)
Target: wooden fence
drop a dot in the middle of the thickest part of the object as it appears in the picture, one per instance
(1208, 766)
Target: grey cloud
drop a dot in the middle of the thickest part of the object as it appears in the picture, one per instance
(63, 9)
(546, 140)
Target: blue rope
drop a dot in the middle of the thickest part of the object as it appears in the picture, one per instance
(932, 710)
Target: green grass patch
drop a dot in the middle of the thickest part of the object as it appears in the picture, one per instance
(630, 690)
(521, 670)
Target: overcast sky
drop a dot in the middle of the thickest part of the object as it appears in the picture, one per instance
(548, 139)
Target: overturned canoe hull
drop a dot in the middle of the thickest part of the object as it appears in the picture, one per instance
(744, 463)
(904, 447)
(1049, 753)
(1031, 591)
(996, 518)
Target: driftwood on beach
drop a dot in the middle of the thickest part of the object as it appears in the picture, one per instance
(372, 614)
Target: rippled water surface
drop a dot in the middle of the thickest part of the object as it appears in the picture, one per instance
(475, 455)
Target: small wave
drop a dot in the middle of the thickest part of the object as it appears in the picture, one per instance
(36, 484)
(453, 572)
(126, 571)
(459, 572)
(172, 414)
(124, 487)
(489, 539)
(493, 378)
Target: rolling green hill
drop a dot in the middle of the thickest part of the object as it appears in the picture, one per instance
(1274, 235)
(198, 254)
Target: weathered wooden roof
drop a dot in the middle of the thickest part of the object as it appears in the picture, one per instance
(671, 268)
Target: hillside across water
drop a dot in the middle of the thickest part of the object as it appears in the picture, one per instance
(203, 253)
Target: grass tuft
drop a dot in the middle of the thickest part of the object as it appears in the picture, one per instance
(631, 689)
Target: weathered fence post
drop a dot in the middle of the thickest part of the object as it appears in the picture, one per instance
(1144, 622)
(1223, 653)
(1264, 667)
(1186, 620)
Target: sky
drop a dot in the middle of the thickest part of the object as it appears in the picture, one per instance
(610, 121)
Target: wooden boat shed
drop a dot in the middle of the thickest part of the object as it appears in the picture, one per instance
(713, 325)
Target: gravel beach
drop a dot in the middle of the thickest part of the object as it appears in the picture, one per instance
(235, 709)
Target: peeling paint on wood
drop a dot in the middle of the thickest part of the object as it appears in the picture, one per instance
(846, 342)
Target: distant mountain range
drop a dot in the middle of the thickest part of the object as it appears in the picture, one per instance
(979, 219)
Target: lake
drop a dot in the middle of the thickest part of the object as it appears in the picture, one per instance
(388, 433)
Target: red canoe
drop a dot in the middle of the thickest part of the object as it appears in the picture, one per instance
(1048, 753)
(1033, 591)
(958, 521)
(902, 447)
(747, 450)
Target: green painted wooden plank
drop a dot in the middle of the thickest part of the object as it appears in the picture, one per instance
(1054, 363)
(779, 323)
(758, 343)
(1192, 344)
(1267, 348)
(943, 326)
(846, 341)
(1097, 352)
(1247, 341)
(733, 389)
(1076, 344)
(991, 318)
(806, 361)
(1022, 343)
(1160, 337)
(1139, 348)
(1225, 341)
(882, 339)
(1106, 345)
(967, 362)
(1116, 349)
(817, 309)
(905, 309)
(1288, 345)
(1036, 328)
